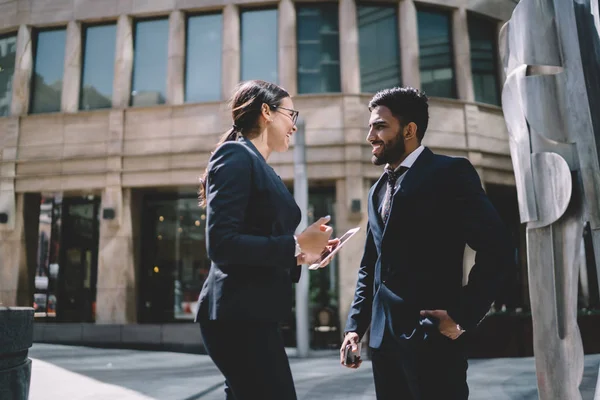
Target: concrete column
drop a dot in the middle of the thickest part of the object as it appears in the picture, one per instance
(231, 50)
(288, 52)
(23, 70)
(123, 63)
(176, 62)
(115, 289)
(462, 55)
(13, 260)
(409, 44)
(72, 71)
(501, 75)
(349, 258)
(350, 64)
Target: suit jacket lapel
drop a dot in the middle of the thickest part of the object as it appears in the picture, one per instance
(375, 221)
(414, 177)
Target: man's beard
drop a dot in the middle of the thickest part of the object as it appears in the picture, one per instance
(392, 151)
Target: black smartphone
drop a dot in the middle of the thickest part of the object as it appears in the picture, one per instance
(351, 357)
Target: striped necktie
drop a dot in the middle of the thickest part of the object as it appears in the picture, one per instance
(392, 177)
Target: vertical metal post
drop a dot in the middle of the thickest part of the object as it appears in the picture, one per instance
(301, 196)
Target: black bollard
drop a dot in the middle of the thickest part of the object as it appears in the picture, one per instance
(16, 337)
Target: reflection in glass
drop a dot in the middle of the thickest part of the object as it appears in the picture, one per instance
(378, 47)
(259, 45)
(8, 52)
(318, 48)
(175, 259)
(435, 54)
(482, 35)
(150, 55)
(203, 58)
(48, 71)
(98, 67)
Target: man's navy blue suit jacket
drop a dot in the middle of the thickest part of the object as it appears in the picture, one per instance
(415, 261)
(251, 218)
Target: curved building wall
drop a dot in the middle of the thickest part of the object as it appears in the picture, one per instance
(116, 152)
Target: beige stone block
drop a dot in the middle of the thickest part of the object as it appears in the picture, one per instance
(46, 129)
(230, 66)
(72, 69)
(448, 117)
(187, 161)
(499, 177)
(38, 184)
(462, 55)
(51, 17)
(176, 58)
(123, 62)
(114, 163)
(7, 170)
(196, 119)
(143, 179)
(89, 165)
(409, 44)
(146, 163)
(494, 161)
(87, 127)
(323, 136)
(490, 145)
(151, 6)
(113, 179)
(82, 182)
(190, 144)
(491, 124)
(94, 9)
(356, 112)
(9, 136)
(185, 177)
(287, 57)
(201, 5)
(8, 14)
(148, 123)
(350, 67)
(146, 147)
(446, 140)
(323, 171)
(40, 152)
(23, 70)
(39, 168)
(353, 153)
(115, 148)
(9, 153)
(7, 185)
(98, 149)
(356, 136)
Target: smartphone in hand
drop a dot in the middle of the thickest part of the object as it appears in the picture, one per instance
(351, 357)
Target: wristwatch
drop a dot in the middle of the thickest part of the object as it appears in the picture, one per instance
(298, 250)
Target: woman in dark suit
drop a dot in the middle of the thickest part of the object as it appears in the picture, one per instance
(251, 220)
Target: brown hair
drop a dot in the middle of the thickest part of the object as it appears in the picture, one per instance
(246, 105)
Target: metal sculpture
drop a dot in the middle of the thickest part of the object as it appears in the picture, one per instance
(551, 99)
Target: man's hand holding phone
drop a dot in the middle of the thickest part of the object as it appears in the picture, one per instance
(350, 351)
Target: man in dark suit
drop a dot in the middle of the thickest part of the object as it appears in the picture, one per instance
(422, 212)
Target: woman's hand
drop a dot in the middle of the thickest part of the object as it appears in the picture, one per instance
(331, 245)
(315, 238)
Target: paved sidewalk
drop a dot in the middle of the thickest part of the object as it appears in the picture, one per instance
(82, 373)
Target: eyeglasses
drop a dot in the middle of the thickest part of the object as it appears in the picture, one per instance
(294, 114)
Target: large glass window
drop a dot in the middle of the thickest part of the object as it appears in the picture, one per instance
(259, 45)
(435, 53)
(378, 47)
(318, 48)
(203, 58)
(175, 263)
(8, 52)
(482, 35)
(48, 71)
(98, 67)
(150, 54)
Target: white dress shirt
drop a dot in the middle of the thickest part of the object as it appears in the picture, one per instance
(408, 163)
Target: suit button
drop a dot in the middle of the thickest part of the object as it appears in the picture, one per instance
(385, 281)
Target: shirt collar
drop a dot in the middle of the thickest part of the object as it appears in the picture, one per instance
(410, 159)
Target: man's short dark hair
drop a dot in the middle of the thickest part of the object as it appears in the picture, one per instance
(407, 104)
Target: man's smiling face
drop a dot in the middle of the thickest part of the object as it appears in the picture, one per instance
(385, 135)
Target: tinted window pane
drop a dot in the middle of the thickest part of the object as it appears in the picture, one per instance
(318, 48)
(203, 63)
(482, 35)
(435, 54)
(378, 47)
(149, 85)
(259, 45)
(98, 67)
(8, 51)
(48, 71)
